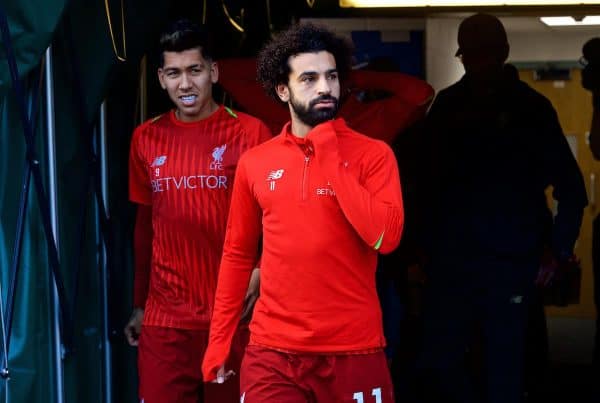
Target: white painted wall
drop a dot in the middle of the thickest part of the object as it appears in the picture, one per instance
(442, 68)
(559, 45)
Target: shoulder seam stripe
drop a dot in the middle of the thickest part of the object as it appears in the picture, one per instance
(231, 112)
(379, 242)
(154, 119)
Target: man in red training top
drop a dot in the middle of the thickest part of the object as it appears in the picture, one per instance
(181, 174)
(325, 200)
(380, 104)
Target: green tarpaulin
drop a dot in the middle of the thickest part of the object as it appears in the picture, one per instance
(84, 67)
(86, 72)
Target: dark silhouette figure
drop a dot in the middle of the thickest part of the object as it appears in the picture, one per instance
(494, 145)
(590, 79)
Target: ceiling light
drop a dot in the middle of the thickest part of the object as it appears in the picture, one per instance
(570, 21)
(451, 3)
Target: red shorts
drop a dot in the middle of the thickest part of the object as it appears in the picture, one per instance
(273, 376)
(169, 366)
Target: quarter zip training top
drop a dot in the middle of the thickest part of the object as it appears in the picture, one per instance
(324, 209)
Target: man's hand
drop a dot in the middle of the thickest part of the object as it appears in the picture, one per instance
(134, 326)
(548, 269)
(222, 376)
(251, 295)
(546, 274)
(552, 270)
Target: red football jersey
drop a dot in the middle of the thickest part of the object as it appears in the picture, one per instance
(185, 171)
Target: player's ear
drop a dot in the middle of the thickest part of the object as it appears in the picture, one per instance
(161, 78)
(214, 72)
(283, 92)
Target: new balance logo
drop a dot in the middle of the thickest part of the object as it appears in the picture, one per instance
(273, 177)
(158, 161)
(217, 154)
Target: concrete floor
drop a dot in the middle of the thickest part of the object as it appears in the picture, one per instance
(571, 340)
(571, 378)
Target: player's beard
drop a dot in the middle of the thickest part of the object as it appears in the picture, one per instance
(312, 116)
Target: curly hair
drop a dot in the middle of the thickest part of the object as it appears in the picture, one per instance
(273, 60)
(182, 35)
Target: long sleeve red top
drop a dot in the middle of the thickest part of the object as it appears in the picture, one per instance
(325, 206)
(408, 100)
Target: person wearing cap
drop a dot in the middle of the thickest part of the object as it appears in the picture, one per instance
(590, 80)
(494, 145)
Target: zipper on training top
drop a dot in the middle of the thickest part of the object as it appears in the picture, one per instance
(305, 178)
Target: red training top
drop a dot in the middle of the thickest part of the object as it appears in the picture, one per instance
(185, 172)
(325, 206)
(406, 101)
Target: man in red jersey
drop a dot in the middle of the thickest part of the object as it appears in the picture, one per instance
(182, 167)
(325, 200)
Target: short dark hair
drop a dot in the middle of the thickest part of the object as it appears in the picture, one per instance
(591, 51)
(273, 60)
(183, 35)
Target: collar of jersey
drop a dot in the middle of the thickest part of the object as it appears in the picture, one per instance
(215, 115)
(336, 125)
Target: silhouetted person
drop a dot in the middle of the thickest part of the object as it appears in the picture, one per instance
(494, 146)
(511, 72)
(536, 335)
(590, 79)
